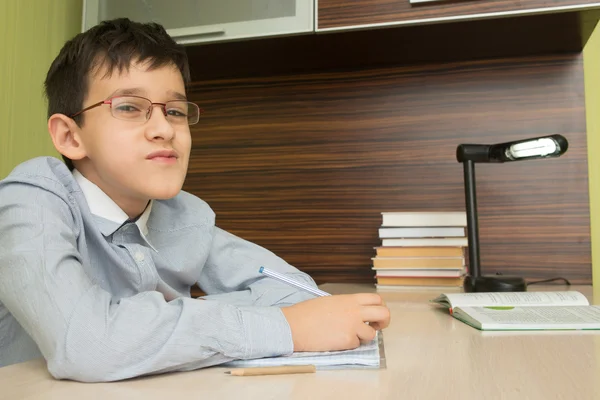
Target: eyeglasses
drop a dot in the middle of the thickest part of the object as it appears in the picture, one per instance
(139, 109)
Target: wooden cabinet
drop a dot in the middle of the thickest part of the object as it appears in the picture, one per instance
(202, 21)
(349, 14)
(198, 21)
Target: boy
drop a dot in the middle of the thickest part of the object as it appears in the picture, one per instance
(97, 257)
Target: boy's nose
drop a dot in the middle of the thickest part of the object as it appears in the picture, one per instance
(163, 109)
(157, 126)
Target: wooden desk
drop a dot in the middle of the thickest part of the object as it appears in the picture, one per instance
(429, 355)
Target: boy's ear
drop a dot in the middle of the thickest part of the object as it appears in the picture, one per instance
(66, 136)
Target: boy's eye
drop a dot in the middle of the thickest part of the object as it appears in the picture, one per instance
(175, 112)
(127, 108)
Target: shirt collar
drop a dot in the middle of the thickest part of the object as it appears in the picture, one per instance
(101, 205)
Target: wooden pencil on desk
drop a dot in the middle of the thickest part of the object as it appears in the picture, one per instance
(280, 370)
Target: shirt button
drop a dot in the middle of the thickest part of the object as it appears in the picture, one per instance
(138, 256)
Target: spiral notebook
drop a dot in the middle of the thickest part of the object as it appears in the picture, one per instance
(367, 355)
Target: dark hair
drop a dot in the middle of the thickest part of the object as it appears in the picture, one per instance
(115, 45)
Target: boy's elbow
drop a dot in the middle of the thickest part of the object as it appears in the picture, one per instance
(81, 371)
(74, 372)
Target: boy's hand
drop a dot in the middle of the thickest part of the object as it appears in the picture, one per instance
(336, 322)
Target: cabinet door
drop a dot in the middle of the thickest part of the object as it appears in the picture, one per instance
(195, 21)
(347, 14)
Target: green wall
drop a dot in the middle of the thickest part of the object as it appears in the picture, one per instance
(31, 35)
(591, 62)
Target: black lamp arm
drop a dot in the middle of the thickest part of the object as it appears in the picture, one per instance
(472, 220)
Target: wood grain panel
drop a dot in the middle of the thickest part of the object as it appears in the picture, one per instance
(303, 164)
(470, 40)
(353, 13)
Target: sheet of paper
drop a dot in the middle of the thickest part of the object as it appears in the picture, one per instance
(365, 356)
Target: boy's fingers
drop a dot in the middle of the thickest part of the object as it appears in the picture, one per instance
(366, 333)
(375, 325)
(379, 325)
(369, 299)
(378, 314)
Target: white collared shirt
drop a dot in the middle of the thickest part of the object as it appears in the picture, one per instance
(101, 205)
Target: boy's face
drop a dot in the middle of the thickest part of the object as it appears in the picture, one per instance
(120, 155)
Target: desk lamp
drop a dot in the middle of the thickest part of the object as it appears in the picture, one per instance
(469, 154)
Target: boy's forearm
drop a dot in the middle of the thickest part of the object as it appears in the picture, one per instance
(100, 341)
(182, 334)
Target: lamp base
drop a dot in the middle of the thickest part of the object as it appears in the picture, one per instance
(494, 283)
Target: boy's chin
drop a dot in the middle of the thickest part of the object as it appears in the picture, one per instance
(164, 193)
(165, 196)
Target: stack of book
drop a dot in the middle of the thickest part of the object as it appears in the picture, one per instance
(421, 249)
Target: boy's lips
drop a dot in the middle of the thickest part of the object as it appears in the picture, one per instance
(163, 154)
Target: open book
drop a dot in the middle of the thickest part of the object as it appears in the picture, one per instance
(367, 355)
(522, 310)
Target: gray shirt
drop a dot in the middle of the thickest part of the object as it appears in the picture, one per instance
(103, 298)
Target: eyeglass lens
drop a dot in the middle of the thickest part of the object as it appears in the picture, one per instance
(140, 109)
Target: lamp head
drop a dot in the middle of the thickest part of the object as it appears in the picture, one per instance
(527, 149)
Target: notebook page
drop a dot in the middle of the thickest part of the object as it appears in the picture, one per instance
(367, 355)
